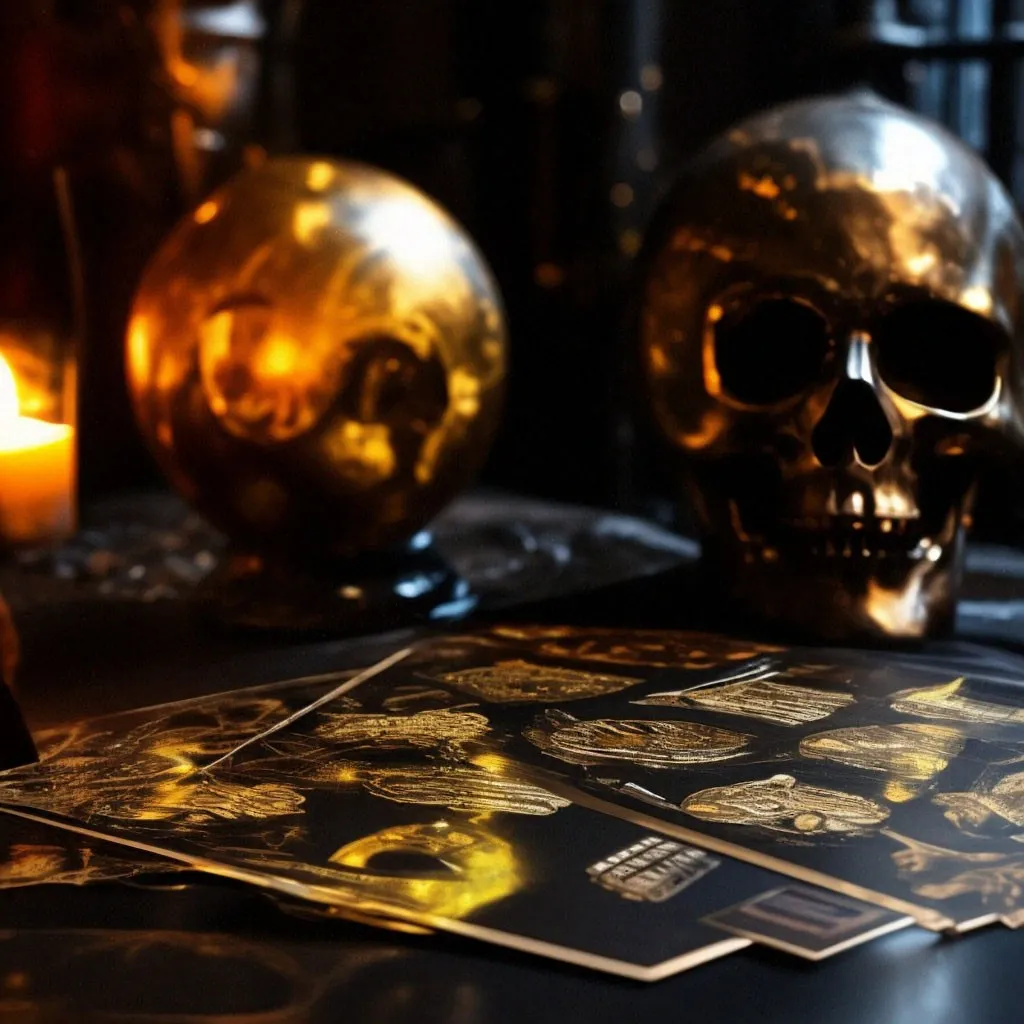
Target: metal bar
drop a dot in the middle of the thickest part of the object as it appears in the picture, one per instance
(1007, 47)
(954, 68)
(1003, 108)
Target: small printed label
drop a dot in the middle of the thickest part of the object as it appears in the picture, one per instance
(821, 914)
(807, 921)
(653, 869)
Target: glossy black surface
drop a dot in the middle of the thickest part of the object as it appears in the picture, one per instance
(370, 975)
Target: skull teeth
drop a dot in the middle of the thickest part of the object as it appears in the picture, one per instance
(849, 538)
(841, 524)
(826, 549)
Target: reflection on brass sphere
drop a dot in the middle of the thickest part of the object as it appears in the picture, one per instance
(316, 356)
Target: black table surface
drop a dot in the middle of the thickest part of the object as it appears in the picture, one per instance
(205, 950)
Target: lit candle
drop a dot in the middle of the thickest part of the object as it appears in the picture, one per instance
(37, 472)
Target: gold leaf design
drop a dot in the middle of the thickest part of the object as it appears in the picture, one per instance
(515, 682)
(972, 809)
(148, 773)
(658, 648)
(782, 804)
(945, 701)
(914, 753)
(74, 864)
(1004, 881)
(648, 744)
(993, 876)
(918, 857)
(425, 730)
(208, 800)
(459, 788)
(780, 703)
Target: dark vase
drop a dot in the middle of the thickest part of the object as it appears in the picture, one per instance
(136, 109)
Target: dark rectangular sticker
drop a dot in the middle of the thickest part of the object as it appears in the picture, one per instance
(809, 922)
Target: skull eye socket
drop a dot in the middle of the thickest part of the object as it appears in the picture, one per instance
(770, 351)
(938, 354)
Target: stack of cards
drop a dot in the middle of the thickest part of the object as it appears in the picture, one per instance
(635, 802)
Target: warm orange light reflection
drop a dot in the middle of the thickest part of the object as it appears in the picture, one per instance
(472, 867)
(8, 393)
(36, 471)
(261, 380)
(205, 213)
(308, 219)
(320, 175)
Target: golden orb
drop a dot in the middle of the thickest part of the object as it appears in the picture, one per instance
(316, 356)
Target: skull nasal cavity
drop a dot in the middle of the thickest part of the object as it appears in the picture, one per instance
(853, 421)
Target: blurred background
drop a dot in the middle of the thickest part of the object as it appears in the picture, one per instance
(548, 127)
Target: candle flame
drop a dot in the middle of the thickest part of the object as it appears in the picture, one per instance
(8, 391)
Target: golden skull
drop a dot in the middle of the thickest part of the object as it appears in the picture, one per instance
(316, 356)
(832, 338)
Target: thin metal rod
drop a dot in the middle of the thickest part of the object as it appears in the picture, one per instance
(361, 677)
(1003, 104)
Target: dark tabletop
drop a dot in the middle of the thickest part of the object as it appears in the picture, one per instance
(196, 949)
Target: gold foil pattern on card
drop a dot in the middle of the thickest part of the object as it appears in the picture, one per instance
(519, 682)
(208, 800)
(645, 743)
(946, 701)
(782, 804)
(208, 727)
(1003, 882)
(425, 730)
(459, 788)
(973, 810)
(780, 703)
(938, 873)
(659, 649)
(910, 753)
(918, 857)
(459, 867)
(148, 774)
(74, 864)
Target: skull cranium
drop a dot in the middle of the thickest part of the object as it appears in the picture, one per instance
(830, 334)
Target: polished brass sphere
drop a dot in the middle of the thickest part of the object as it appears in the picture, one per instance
(316, 356)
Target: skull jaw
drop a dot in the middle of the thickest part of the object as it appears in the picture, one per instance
(810, 587)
